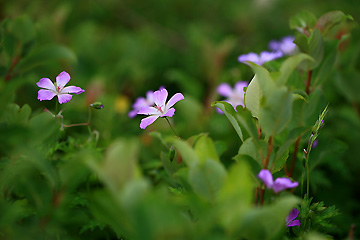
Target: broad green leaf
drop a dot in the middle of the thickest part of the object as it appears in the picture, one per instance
(266, 83)
(289, 66)
(280, 161)
(277, 112)
(302, 20)
(16, 115)
(44, 55)
(207, 178)
(316, 48)
(205, 148)
(326, 68)
(254, 165)
(187, 153)
(302, 42)
(119, 165)
(255, 149)
(329, 20)
(266, 222)
(253, 96)
(246, 120)
(230, 113)
(23, 28)
(235, 196)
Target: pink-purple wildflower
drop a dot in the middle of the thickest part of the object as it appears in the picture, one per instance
(233, 96)
(160, 108)
(290, 222)
(142, 102)
(279, 184)
(261, 58)
(58, 89)
(286, 45)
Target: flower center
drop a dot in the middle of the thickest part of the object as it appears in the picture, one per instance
(159, 108)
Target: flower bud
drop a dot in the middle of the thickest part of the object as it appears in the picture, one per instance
(97, 105)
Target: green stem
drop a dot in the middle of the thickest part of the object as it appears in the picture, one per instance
(89, 120)
(56, 107)
(171, 126)
(307, 178)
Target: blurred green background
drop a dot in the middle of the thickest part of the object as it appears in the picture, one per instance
(118, 50)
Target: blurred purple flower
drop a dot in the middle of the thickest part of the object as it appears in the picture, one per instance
(51, 90)
(290, 222)
(260, 59)
(279, 184)
(286, 45)
(315, 143)
(161, 108)
(141, 102)
(233, 96)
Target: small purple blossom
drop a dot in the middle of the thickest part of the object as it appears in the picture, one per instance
(315, 143)
(261, 58)
(141, 102)
(279, 184)
(286, 45)
(161, 108)
(290, 222)
(233, 96)
(58, 89)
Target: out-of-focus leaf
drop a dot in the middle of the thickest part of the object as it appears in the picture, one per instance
(44, 55)
(316, 48)
(326, 69)
(205, 149)
(255, 149)
(265, 222)
(302, 20)
(23, 28)
(235, 197)
(16, 115)
(207, 178)
(289, 66)
(277, 111)
(329, 20)
(302, 42)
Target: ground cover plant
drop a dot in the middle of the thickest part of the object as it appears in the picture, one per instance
(113, 126)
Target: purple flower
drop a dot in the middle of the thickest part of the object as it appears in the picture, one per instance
(58, 89)
(260, 59)
(279, 184)
(315, 143)
(161, 108)
(286, 45)
(233, 96)
(142, 102)
(290, 222)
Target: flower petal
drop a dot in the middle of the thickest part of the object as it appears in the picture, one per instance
(150, 97)
(239, 87)
(169, 113)
(132, 113)
(292, 215)
(45, 94)
(147, 121)
(283, 183)
(72, 89)
(149, 111)
(62, 79)
(294, 223)
(251, 57)
(224, 89)
(46, 83)
(160, 97)
(266, 176)
(174, 99)
(64, 98)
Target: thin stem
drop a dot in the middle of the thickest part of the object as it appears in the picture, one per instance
(262, 194)
(76, 124)
(307, 179)
(89, 121)
(56, 107)
(266, 162)
(308, 82)
(171, 126)
(9, 75)
(259, 131)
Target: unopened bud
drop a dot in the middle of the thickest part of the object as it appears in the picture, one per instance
(97, 105)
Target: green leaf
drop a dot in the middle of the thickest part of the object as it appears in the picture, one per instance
(267, 221)
(253, 96)
(23, 28)
(316, 48)
(187, 153)
(277, 111)
(44, 55)
(302, 42)
(16, 115)
(119, 165)
(205, 148)
(326, 69)
(235, 196)
(302, 20)
(255, 149)
(230, 113)
(207, 178)
(289, 66)
(329, 20)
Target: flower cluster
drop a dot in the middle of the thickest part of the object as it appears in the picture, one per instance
(285, 46)
(233, 96)
(279, 184)
(58, 89)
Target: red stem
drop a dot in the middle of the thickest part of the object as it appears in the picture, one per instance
(266, 162)
(14, 62)
(308, 82)
(297, 143)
